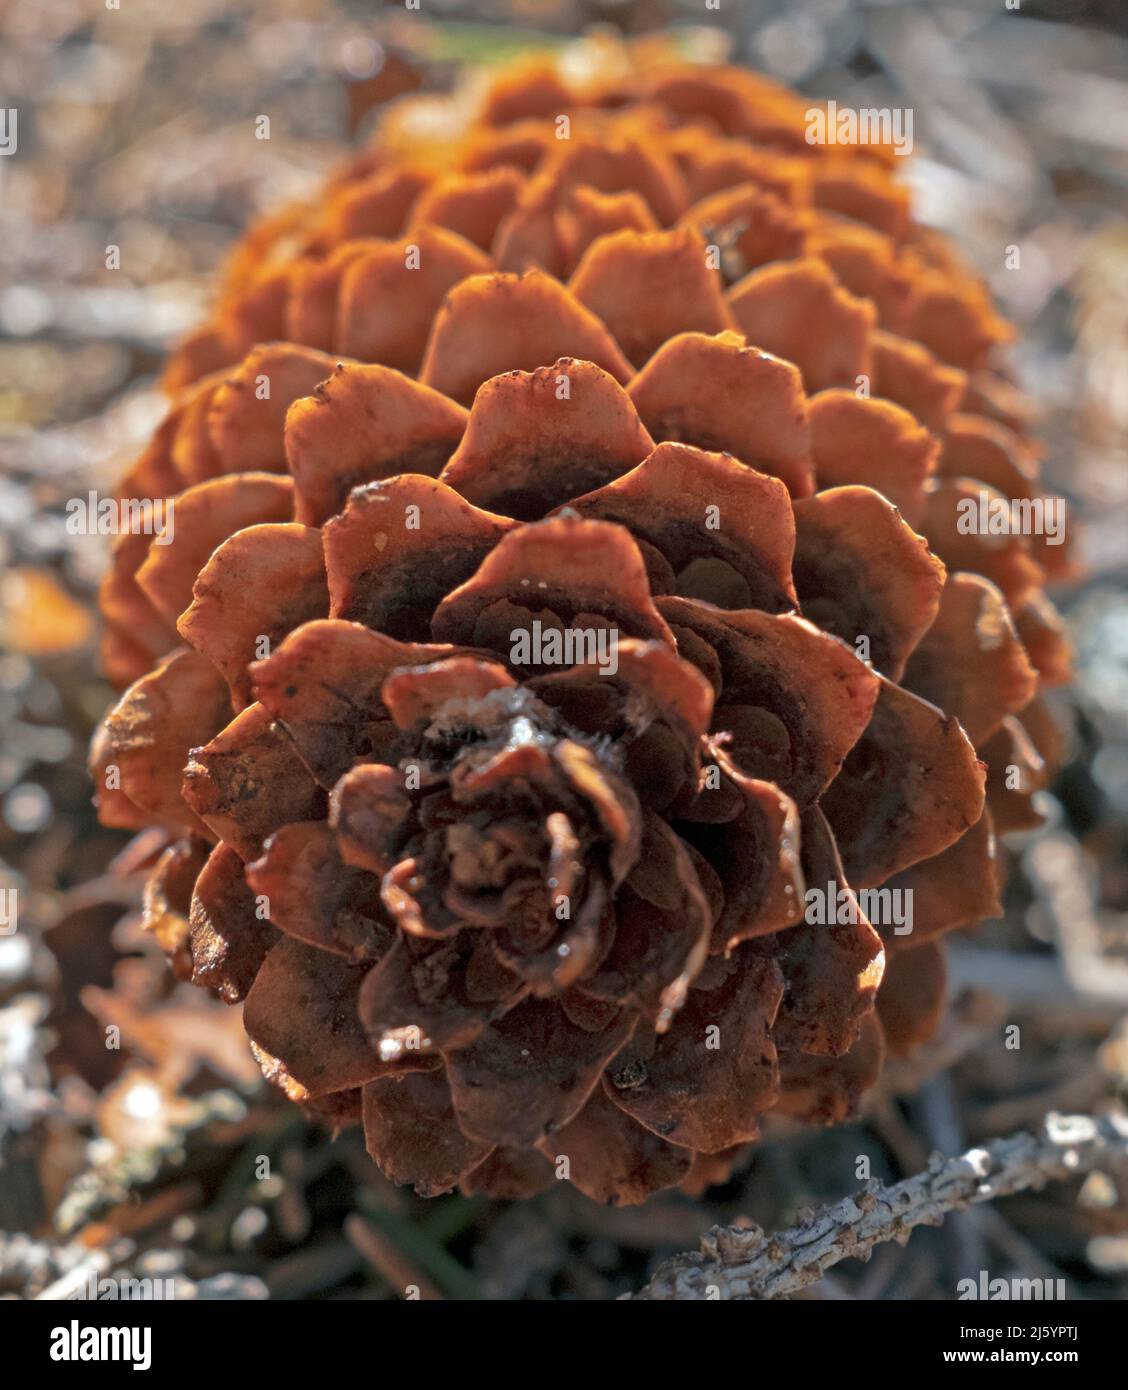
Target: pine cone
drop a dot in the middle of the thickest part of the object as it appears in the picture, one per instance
(534, 522)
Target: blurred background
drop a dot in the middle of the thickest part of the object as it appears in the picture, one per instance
(136, 130)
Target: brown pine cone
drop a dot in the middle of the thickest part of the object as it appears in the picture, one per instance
(577, 634)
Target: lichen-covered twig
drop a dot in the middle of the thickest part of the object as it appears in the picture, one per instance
(745, 1263)
(107, 1184)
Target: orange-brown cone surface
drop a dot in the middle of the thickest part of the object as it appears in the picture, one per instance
(582, 599)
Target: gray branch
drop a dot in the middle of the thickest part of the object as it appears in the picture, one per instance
(745, 1263)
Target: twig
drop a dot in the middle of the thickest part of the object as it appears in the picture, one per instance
(314, 1270)
(1063, 879)
(76, 1278)
(906, 1147)
(962, 1236)
(748, 1264)
(115, 1182)
(1082, 1086)
(452, 1278)
(1022, 1254)
(976, 1016)
(1032, 981)
(393, 1264)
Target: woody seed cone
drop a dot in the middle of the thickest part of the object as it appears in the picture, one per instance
(580, 594)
